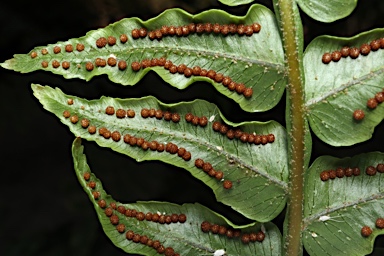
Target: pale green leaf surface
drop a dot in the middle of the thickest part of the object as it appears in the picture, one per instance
(334, 91)
(185, 238)
(256, 61)
(258, 172)
(235, 2)
(351, 202)
(327, 10)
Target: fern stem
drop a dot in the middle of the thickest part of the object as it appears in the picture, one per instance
(295, 127)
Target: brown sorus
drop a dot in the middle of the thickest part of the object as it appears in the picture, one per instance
(207, 167)
(203, 72)
(216, 126)
(199, 163)
(218, 77)
(336, 56)
(354, 52)
(55, 64)
(74, 119)
(271, 138)
(215, 228)
(173, 69)
(135, 33)
(113, 205)
(121, 209)
(222, 230)
(69, 48)
(248, 30)
(65, 65)
(380, 168)
(358, 114)
(108, 211)
(327, 58)
(126, 138)
(66, 114)
(332, 174)
(181, 151)
(196, 70)
(121, 113)
(366, 231)
(232, 86)
(182, 218)
(152, 35)
(230, 134)
(216, 28)
(123, 38)
(260, 236)
(44, 64)
(107, 134)
(348, 171)
(89, 66)
(169, 251)
(129, 235)
(33, 55)
(146, 63)
(148, 216)
(195, 120)
(370, 170)
(175, 117)
(96, 194)
(159, 114)
(111, 40)
(356, 171)
(84, 123)
(155, 217)
(102, 203)
(224, 30)
(203, 121)
(136, 238)
(256, 27)
(365, 49)
(188, 72)
(161, 249)
(140, 216)
(44, 51)
(379, 97)
(245, 238)
(101, 42)
(211, 74)
(375, 45)
(380, 223)
(372, 103)
(344, 51)
(241, 29)
(87, 176)
(144, 239)
(181, 68)
(142, 32)
(122, 64)
(144, 113)
(100, 62)
(240, 88)
(227, 184)
(120, 228)
(248, 92)
(56, 49)
(324, 175)
(110, 110)
(219, 175)
(92, 129)
(79, 47)
(131, 113)
(167, 116)
(340, 172)
(116, 136)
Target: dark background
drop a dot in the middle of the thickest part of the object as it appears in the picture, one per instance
(43, 210)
